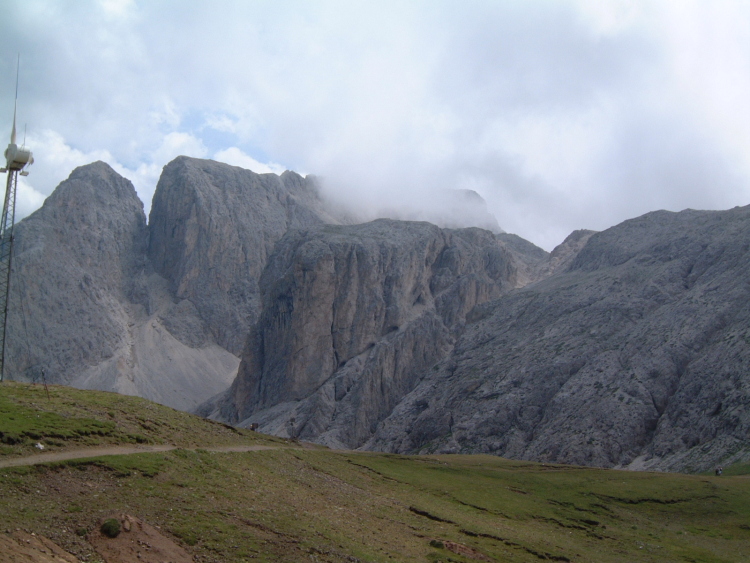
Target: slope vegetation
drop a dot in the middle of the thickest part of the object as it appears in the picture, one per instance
(292, 503)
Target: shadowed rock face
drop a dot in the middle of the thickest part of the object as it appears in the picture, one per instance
(352, 316)
(636, 355)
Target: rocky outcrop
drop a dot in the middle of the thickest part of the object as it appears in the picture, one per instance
(625, 348)
(535, 264)
(86, 308)
(635, 355)
(99, 300)
(74, 265)
(352, 316)
(212, 228)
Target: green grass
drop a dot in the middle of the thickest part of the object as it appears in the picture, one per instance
(22, 424)
(737, 469)
(293, 504)
(70, 418)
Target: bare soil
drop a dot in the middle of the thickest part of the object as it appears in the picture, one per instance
(23, 547)
(137, 542)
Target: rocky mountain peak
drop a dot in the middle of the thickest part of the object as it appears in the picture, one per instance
(100, 180)
(96, 219)
(102, 301)
(627, 347)
(211, 229)
(75, 260)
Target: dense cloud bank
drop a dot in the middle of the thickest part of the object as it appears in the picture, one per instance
(561, 115)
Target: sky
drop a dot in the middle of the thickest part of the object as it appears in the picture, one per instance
(562, 115)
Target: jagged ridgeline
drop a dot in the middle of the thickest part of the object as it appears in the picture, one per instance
(246, 294)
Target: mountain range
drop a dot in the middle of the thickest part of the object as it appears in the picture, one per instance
(250, 299)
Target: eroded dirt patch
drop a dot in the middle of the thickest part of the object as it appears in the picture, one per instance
(22, 547)
(137, 542)
(465, 550)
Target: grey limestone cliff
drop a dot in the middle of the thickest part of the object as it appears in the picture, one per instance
(99, 300)
(86, 308)
(636, 355)
(74, 263)
(212, 227)
(352, 315)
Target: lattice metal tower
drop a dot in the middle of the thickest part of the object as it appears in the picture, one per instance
(17, 158)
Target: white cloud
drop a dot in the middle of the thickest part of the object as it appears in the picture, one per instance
(710, 75)
(28, 199)
(236, 157)
(563, 115)
(175, 144)
(55, 159)
(117, 8)
(222, 123)
(613, 16)
(165, 114)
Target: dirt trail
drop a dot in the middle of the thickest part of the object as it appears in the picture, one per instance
(115, 450)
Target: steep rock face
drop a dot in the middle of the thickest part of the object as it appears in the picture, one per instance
(566, 252)
(352, 315)
(636, 355)
(212, 227)
(101, 301)
(74, 263)
(86, 309)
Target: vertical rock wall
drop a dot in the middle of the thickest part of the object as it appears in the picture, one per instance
(101, 301)
(212, 227)
(352, 317)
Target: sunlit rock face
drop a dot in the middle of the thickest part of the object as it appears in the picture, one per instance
(352, 318)
(99, 300)
(636, 354)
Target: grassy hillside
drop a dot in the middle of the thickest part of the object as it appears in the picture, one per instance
(293, 504)
(62, 418)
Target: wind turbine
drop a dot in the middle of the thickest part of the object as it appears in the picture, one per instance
(17, 158)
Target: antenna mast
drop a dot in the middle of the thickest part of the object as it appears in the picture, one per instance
(17, 158)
